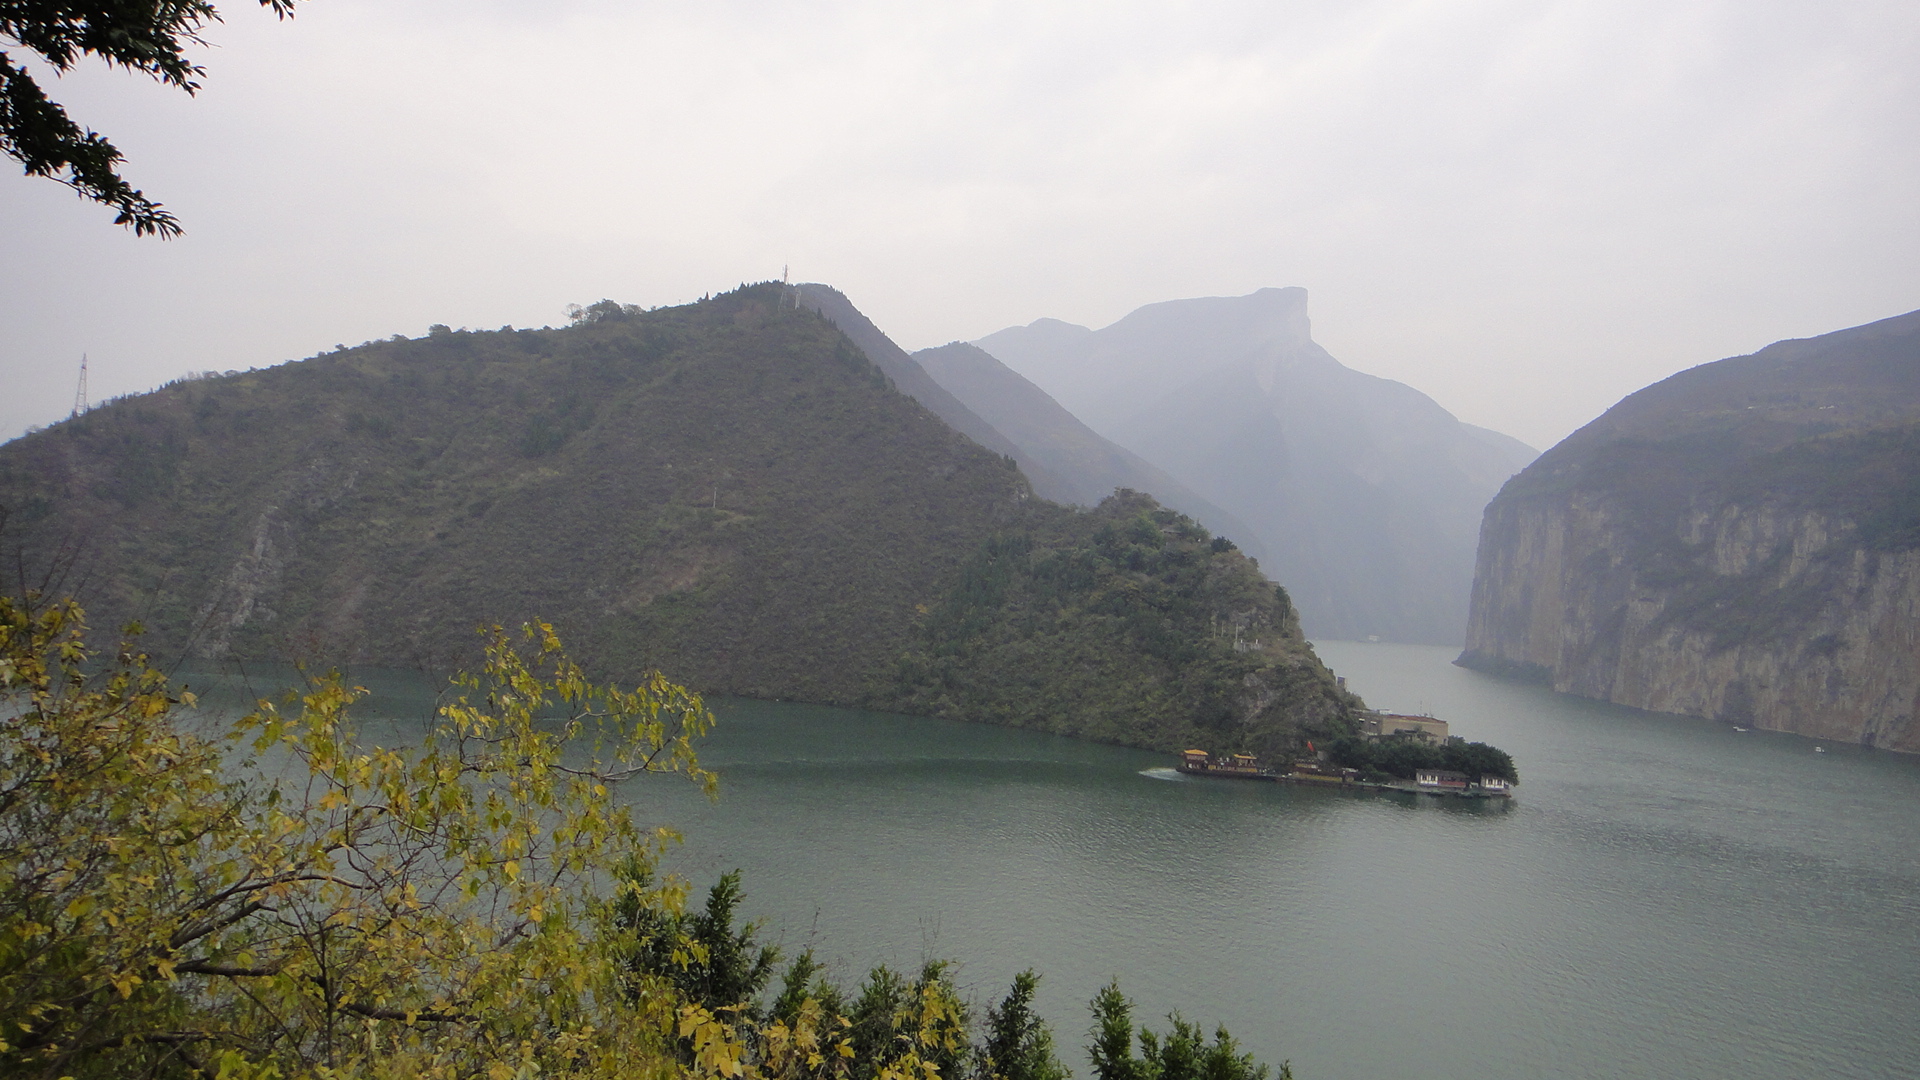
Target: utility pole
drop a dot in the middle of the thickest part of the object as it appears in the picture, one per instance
(80, 392)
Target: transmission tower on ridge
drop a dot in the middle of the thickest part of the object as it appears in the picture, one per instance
(80, 392)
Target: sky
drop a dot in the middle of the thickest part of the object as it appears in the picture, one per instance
(1525, 208)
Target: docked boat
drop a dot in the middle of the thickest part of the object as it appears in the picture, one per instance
(1238, 766)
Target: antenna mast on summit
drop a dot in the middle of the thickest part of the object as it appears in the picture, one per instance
(80, 392)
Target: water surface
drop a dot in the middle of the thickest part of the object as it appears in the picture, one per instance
(1664, 897)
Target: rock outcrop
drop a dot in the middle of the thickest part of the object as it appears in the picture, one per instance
(1740, 541)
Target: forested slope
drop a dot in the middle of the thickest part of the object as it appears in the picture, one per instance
(728, 491)
(1129, 624)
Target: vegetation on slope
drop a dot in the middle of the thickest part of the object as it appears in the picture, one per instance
(1128, 624)
(728, 491)
(1399, 756)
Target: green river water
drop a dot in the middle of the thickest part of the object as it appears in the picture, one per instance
(1664, 897)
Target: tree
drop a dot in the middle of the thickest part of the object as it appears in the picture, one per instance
(1112, 1049)
(1181, 1054)
(146, 35)
(804, 983)
(895, 1028)
(907, 1029)
(1019, 1045)
(283, 899)
(700, 954)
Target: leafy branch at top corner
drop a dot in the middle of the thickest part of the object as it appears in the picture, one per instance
(36, 131)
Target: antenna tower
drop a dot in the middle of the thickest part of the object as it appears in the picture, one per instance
(80, 392)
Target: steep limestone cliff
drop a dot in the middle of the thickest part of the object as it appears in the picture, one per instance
(1741, 541)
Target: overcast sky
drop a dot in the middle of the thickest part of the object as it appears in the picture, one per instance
(1525, 209)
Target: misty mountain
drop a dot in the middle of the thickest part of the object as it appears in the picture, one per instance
(1364, 493)
(1045, 431)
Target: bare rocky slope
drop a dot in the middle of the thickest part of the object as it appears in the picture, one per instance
(1363, 494)
(1740, 541)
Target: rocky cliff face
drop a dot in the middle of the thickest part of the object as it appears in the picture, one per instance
(1741, 542)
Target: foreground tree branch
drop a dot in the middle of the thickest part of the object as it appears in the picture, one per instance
(445, 902)
(146, 37)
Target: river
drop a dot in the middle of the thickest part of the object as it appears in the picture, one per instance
(1664, 897)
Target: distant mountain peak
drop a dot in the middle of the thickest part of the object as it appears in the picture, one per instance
(1272, 317)
(1060, 442)
(1365, 492)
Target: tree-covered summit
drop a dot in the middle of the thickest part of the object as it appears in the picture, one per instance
(1129, 624)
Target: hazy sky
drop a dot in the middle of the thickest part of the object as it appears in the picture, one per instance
(1525, 209)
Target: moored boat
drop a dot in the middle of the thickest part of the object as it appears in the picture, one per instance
(1237, 766)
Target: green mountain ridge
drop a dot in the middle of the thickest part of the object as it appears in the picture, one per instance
(728, 491)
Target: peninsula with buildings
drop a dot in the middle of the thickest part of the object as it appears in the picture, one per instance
(1390, 752)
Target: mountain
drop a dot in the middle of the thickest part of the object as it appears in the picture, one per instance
(1364, 494)
(1740, 541)
(1054, 438)
(912, 380)
(730, 491)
